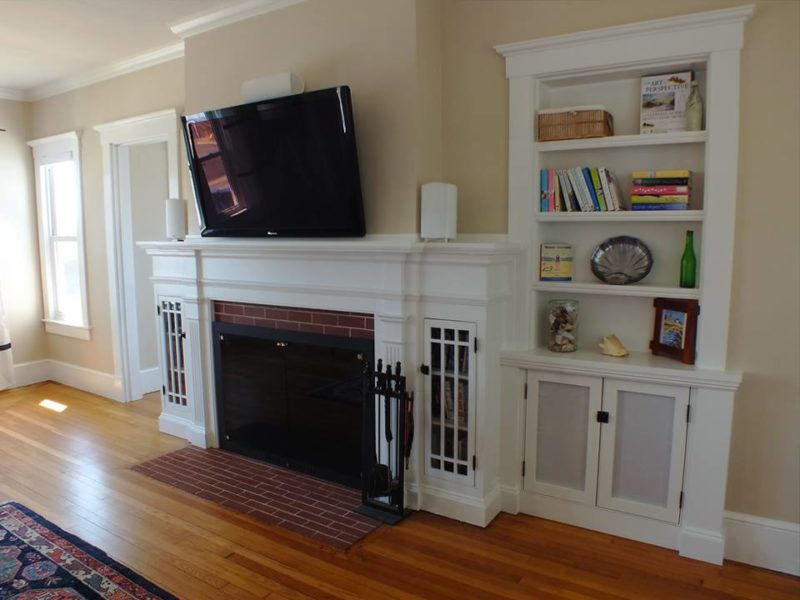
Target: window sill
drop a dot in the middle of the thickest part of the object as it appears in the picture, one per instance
(80, 332)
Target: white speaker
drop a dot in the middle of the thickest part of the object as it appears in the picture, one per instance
(176, 219)
(272, 86)
(439, 211)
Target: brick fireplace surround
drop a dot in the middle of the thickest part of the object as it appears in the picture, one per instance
(325, 322)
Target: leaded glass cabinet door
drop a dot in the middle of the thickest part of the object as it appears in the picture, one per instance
(642, 448)
(174, 393)
(450, 399)
(562, 435)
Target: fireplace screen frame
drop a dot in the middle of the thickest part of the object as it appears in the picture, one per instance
(220, 329)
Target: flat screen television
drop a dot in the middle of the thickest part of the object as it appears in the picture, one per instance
(285, 167)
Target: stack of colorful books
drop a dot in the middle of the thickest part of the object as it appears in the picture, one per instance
(661, 190)
(578, 189)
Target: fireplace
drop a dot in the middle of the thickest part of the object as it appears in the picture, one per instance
(288, 396)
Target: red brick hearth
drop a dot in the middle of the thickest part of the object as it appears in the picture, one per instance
(321, 510)
(326, 322)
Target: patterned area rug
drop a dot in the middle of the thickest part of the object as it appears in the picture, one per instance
(39, 561)
(318, 509)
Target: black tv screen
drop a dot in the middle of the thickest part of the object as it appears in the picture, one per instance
(285, 167)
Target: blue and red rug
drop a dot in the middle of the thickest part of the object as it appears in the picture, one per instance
(39, 561)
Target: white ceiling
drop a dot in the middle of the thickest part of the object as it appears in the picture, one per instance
(45, 41)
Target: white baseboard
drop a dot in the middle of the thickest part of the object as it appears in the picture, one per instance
(149, 381)
(763, 542)
(461, 507)
(88, 380)
(182, 428)
(28, 373)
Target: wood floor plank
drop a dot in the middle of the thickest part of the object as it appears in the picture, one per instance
(74, 469)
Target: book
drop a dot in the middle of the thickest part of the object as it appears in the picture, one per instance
(559, 205)
(661, 199)
(660, 206)
(603, 177)
(551, 198)
(658, 190)
(543, 190)
(684, 173)
(616, 197)
(663, 102)
(598, 188)
(587, 177)
(462, 403)
(569, 194)
(555, 262)
(579, 183)
(662, 181)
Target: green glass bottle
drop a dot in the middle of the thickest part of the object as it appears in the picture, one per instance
(689, 263)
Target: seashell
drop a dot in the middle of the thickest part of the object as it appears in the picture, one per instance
(611, 346)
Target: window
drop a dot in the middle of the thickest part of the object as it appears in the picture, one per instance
(60, 209)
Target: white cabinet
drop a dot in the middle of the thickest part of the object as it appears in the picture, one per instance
(606, 442)
(450, 400)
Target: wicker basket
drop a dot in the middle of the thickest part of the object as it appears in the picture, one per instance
(574, 123)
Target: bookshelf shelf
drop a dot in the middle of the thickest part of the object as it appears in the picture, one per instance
(622, 141)
(622, 216)
(636, 290)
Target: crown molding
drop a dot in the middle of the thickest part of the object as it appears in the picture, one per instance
(228, 15)
(12, 94)
(115, 69)
(682, 22)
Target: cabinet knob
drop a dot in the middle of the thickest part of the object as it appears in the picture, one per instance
(424, 369)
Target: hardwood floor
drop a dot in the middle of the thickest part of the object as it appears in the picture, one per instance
(73, 468)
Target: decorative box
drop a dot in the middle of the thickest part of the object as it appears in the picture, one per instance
(574, 122)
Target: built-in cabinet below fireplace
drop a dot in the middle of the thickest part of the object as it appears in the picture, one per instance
(292, 397)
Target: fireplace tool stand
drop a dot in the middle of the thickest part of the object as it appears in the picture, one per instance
(386, 443)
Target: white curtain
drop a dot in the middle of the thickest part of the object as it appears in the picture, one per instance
(6, 364)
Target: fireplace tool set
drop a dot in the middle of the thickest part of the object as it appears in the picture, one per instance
(387, 440)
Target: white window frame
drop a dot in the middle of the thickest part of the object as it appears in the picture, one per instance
(58, 148)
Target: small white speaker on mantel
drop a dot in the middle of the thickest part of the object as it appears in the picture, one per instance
(439, 212)
(176, 219)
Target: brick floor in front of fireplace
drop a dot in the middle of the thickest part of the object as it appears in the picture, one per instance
(313, 507)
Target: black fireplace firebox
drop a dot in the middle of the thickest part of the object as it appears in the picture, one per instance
(292, 398)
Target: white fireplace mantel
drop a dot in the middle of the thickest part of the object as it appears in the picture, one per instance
(398, 279)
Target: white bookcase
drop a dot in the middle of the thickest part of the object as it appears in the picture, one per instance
(605, 67)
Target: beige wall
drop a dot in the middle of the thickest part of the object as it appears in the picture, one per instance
(20, 283)
(142, 92)
(429, 94)
(369, 46)
(765, 326)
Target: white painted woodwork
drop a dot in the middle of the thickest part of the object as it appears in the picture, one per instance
(402, 282)
(604, 67)
(562, 436)
(115, 138)
(642, 448)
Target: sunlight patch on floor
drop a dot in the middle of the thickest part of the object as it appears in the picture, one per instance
(53, 405)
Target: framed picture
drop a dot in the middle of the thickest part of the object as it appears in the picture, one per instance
(675, 329)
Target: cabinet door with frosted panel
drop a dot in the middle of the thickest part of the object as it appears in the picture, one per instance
(450, 399)
(642, 448)
(562, 435)
(174, 392)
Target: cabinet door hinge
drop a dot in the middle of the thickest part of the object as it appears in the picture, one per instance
(526, 391)
(523, 468)
(475, 345)
(158, 310)
(680, 500)
(474, 462)
(163, 389)
(688, 412)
